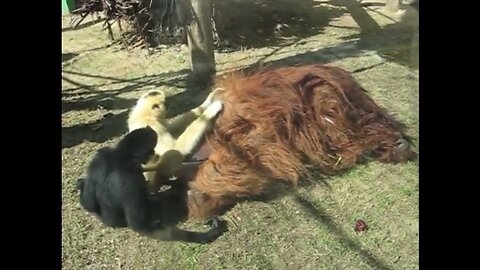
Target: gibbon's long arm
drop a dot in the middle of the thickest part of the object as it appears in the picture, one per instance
(178, 124)
(194, 133)
(172, 160)
(140, 218)
(169, 162)
(218, 227)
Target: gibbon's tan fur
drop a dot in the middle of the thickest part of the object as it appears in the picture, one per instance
(177, 137)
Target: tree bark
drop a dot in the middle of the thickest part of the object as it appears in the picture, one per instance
(200, 39)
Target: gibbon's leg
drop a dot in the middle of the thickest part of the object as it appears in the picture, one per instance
(195, 132)
(218, 227)
(149, 172)
(188, 140)
(149, 168)
(161, 171)
(169, 161)
(178, 124)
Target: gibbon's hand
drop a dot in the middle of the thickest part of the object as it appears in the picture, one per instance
(216, 94)
(218, 227)
(211, 97)
(213, 109)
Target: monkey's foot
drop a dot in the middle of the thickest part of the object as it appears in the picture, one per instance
(210, 98)
(218, 228)
(213, 109)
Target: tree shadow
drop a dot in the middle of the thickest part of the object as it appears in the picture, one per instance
(325, 219)
(108, 98)
(261, 23)
(112, 124)
(68, 56)
(93, 49)
(84, 97)
(315, 178)
(99, 131)
(397, 42)
(83, 25)
(106, 101)
(347, 49)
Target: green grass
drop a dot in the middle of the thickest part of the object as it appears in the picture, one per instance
(311, 228)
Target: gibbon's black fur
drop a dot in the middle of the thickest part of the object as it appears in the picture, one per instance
(116, 191)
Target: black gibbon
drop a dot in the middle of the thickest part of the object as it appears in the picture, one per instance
(116, 191)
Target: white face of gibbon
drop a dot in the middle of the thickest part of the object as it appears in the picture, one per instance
(153, 100)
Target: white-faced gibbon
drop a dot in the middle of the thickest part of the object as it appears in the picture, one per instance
(177, 137)
(116, 191)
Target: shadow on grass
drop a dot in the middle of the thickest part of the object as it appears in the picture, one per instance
(109, 127)
(115, 124)
(322, 217)
(83, 25)
(397, 42)
(99, 131)
(268, 23)
(68, 56)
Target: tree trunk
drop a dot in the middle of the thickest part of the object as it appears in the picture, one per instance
(393, 5)
(200, 40)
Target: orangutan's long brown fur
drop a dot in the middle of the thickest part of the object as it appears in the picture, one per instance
(276, 122)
